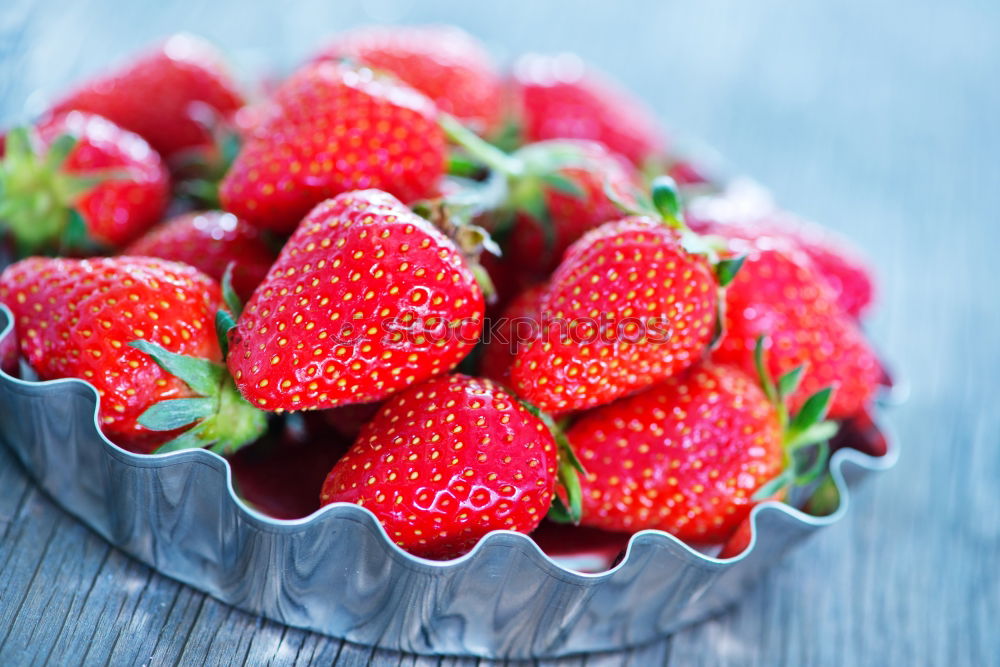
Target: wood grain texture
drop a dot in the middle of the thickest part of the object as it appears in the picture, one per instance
(878, 119)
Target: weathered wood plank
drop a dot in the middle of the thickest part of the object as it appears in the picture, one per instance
(318, 650)
(229, 644)
(461, 662)
(22, 567)
(16, 489)
(653, 655)
(419, 661)
(354, 655)
(43, 619)
(141, 619)
(900, 559)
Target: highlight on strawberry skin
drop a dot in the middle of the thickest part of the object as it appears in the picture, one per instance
(443, 62)
(210, 241)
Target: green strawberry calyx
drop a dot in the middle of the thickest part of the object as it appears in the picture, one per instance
(478, 148)
(664, 203)
(453, 216)
(569, 510)
(225, 318)
(220, 419)
(805, 435)
(38, 197)
(532, 169)
(527, 174)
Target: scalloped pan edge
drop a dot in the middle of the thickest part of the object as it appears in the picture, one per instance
(337, 572)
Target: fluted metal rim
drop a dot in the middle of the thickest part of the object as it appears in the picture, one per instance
(348, 511)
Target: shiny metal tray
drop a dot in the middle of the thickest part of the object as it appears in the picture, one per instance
(336, 571)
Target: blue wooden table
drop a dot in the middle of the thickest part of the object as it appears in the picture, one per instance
(879, 119)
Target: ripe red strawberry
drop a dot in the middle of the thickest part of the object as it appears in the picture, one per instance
(559, 97)
(742, 536)
(447, 461)
(519, 324)
(79, 318)
(445, 63)
(627, 308)
(84, 171)
(570, 204)
(746, 212)
(332, 128)
(171, 95)
(210, 241)
(365, 299)
(685, 457)
(777, 293)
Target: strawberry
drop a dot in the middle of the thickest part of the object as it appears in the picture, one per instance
(571, 199)
(366, 298)
(81, 318)
(824, 500)
(560, 97)
(210, 241)
(739, 540)
(330, 129)
(777, 293)
(746, 212)
(861, 432)
(171, 95)
(519, 323)
(692, 455)
(445, 63)
(628, 307)
(78, 177)
(685, 457)
(447, 461)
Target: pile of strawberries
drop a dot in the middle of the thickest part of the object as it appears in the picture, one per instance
(463, 299)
